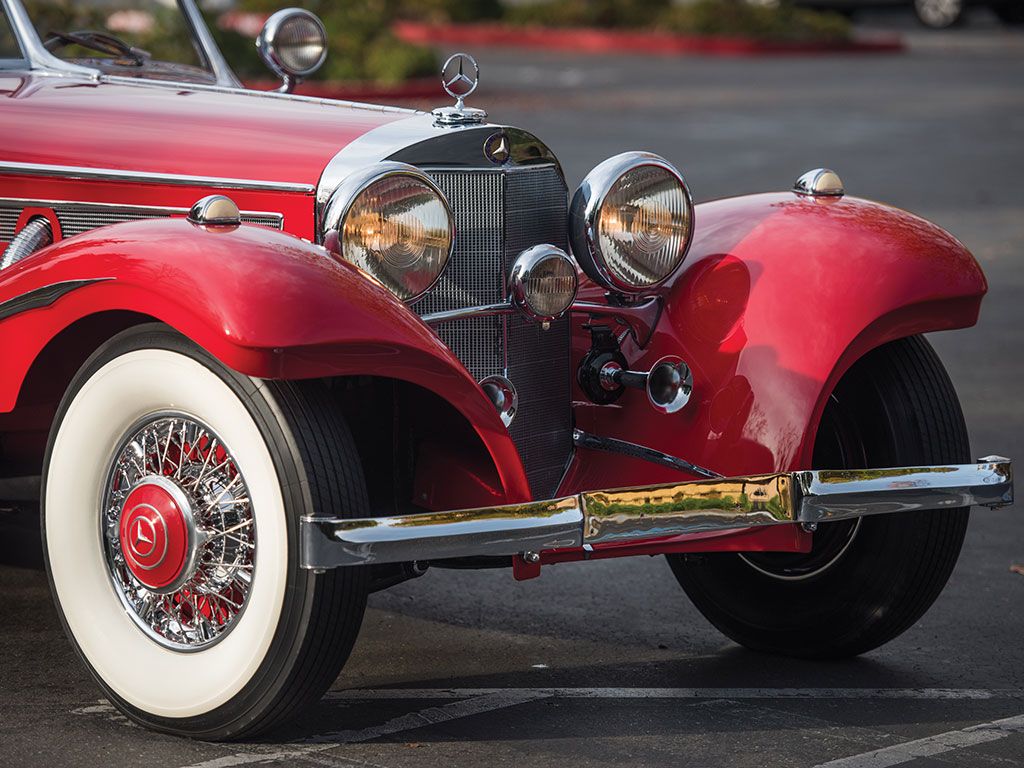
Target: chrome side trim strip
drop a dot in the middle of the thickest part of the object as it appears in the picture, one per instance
(10, 168)
(156, 210)
(241, 89)
(44, 296)
(634, 514)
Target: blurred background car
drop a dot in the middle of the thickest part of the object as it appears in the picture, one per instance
(937, 14)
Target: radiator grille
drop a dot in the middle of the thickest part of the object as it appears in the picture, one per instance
(498, 213)
(76, 218)
(8, 221)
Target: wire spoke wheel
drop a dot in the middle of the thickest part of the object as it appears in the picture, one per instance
(204, 531)
(173, 490)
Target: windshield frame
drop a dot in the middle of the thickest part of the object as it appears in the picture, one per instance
(40, 59)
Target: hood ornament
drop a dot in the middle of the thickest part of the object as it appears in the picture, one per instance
(460, 76)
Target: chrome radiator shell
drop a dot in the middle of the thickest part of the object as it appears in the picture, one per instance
(499, 212)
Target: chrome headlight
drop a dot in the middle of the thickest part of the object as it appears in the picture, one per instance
(631, 222)
(543, 282)
(392, 222)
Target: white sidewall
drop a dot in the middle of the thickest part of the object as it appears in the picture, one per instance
(154, 679)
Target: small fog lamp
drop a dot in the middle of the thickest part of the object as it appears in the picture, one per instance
(543, 282)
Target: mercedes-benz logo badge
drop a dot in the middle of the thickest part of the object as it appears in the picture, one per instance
(496, 148)
(460, 75)
(144, 540)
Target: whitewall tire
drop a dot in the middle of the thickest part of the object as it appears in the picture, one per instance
(188, 634)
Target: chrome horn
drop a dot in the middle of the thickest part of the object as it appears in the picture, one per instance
(668, 384)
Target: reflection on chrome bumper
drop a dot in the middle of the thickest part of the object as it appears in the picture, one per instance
(633, 514)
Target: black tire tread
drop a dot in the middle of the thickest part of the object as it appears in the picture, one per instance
(832, 618)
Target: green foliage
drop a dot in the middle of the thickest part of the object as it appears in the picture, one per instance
(725, 18)
(588, 13)
(451, 10)
(361, 46)
(737, 18)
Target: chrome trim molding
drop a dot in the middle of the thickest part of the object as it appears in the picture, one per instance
(409, 141)
(157, 210)
(218, 64)
(44, 296)
(611, 445)
(633, 514)
(485, 310)
(10, 168)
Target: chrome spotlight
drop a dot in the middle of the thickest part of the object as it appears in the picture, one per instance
(293, 43)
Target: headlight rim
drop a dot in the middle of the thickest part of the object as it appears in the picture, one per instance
(585, 210)
(355, 184)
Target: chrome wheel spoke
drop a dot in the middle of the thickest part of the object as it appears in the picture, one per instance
(211, 592)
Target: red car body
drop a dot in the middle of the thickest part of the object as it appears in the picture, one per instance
(268, 305)
(261, 355)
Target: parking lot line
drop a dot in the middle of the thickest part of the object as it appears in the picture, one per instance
(422, 718)
(684, 693)
(939, 744)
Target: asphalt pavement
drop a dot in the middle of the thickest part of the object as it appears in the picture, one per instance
(607, 663)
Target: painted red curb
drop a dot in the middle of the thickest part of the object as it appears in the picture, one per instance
(420, 88)
(592, 40)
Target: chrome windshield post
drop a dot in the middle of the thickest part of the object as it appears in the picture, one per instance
(218, 64)
(35, 52)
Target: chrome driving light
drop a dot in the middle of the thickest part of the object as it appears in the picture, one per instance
(631, 222)
(392, 222)
(293, 43)
(543, 282)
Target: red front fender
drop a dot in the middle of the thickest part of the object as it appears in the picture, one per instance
(780, 295)
(264, 303)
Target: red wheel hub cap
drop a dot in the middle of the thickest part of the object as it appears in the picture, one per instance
(156, 533)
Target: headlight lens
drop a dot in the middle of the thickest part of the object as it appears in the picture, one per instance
(631, 222)
(543, 282)
(395, 226)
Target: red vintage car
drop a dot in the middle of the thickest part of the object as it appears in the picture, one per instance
(264, 354)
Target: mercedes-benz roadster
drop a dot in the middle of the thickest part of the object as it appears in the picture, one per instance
(264, 354)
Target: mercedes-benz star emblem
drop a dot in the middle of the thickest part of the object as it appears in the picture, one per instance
(144, 540)
(460, 76)
(496, 148)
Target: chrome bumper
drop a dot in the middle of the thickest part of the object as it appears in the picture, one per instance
(633, 514)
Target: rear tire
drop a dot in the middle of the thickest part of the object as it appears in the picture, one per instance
(864, 582)
(251, 638)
